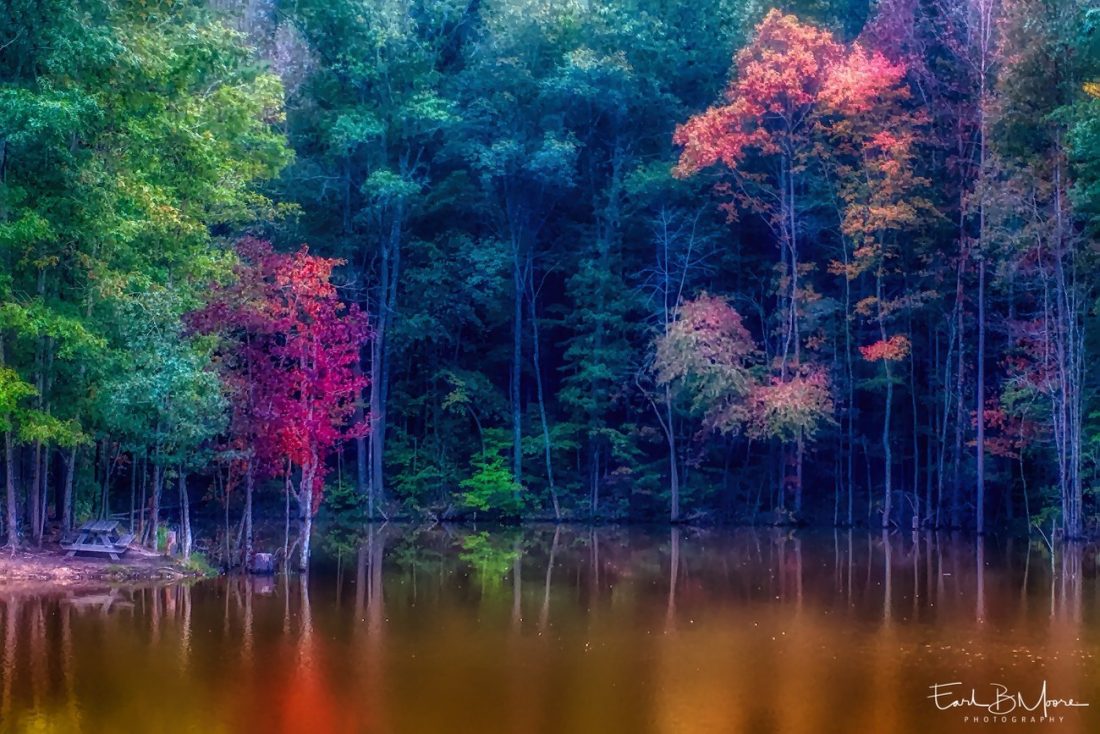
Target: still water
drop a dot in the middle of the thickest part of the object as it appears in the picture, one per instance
(574, 630)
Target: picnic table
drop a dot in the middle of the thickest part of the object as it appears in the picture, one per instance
(99, 536)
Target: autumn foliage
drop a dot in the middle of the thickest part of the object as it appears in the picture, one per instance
(802, 105)
(790, 408)
(893, 349)
(709, 354)
(289, 352)
(794, 86)
(769, 104)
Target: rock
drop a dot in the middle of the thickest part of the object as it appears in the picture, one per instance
(263, 585)
(262, 564)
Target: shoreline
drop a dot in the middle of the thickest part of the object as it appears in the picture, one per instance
(48, 569)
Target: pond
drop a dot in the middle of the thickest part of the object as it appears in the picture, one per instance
(577, 629)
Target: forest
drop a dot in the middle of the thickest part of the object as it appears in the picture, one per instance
(826, 262)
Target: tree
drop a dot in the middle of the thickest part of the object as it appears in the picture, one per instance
(1038, 176)
(769, 114)
(293, 347)
(873, 137)
(128, 134)
(236, 315)
(313, 384)
(370, 118)
(524, 164)
(708, 353)
(765, 135)
(164, 398)
(681, 250)
(13, 391)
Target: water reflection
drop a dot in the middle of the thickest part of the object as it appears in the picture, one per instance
(561, 629)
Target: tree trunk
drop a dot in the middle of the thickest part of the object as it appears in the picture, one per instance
(378, 424)
(34, 496)
(944, 419)
(984, 36)
(542, 410)
(792, 339)
(594, 492)
(154, 513)
(516, 372)
(286, 526)
(980, 399)
(849, 457)
(144, 493)
(362, 470)
(673, 469)
(305, 508)
(1069, 356)
(387, 309)
(34, 491)
(917, 512)
(249, 486)
(70, 476)
(43, 502)
(888, 460)
(185, 516)
(887, 454)
(133, 489)
(9, 480)
(670, 301)
(960, 405)
(800, 455)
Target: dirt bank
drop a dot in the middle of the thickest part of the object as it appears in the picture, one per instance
(49, 568)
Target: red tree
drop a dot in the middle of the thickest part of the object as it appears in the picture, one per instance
(291, 347)
(235, 312)
(312, 380)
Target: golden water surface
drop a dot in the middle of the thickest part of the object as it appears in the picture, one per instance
(575, 630)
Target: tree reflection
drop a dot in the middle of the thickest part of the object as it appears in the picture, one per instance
(517, 585)
(979, 576)
(544, 614)
(888, 578)
(11, 637)
(673, 575)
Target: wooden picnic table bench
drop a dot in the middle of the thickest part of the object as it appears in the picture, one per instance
(99, 536)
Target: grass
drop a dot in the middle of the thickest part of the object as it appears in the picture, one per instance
(198, 564)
